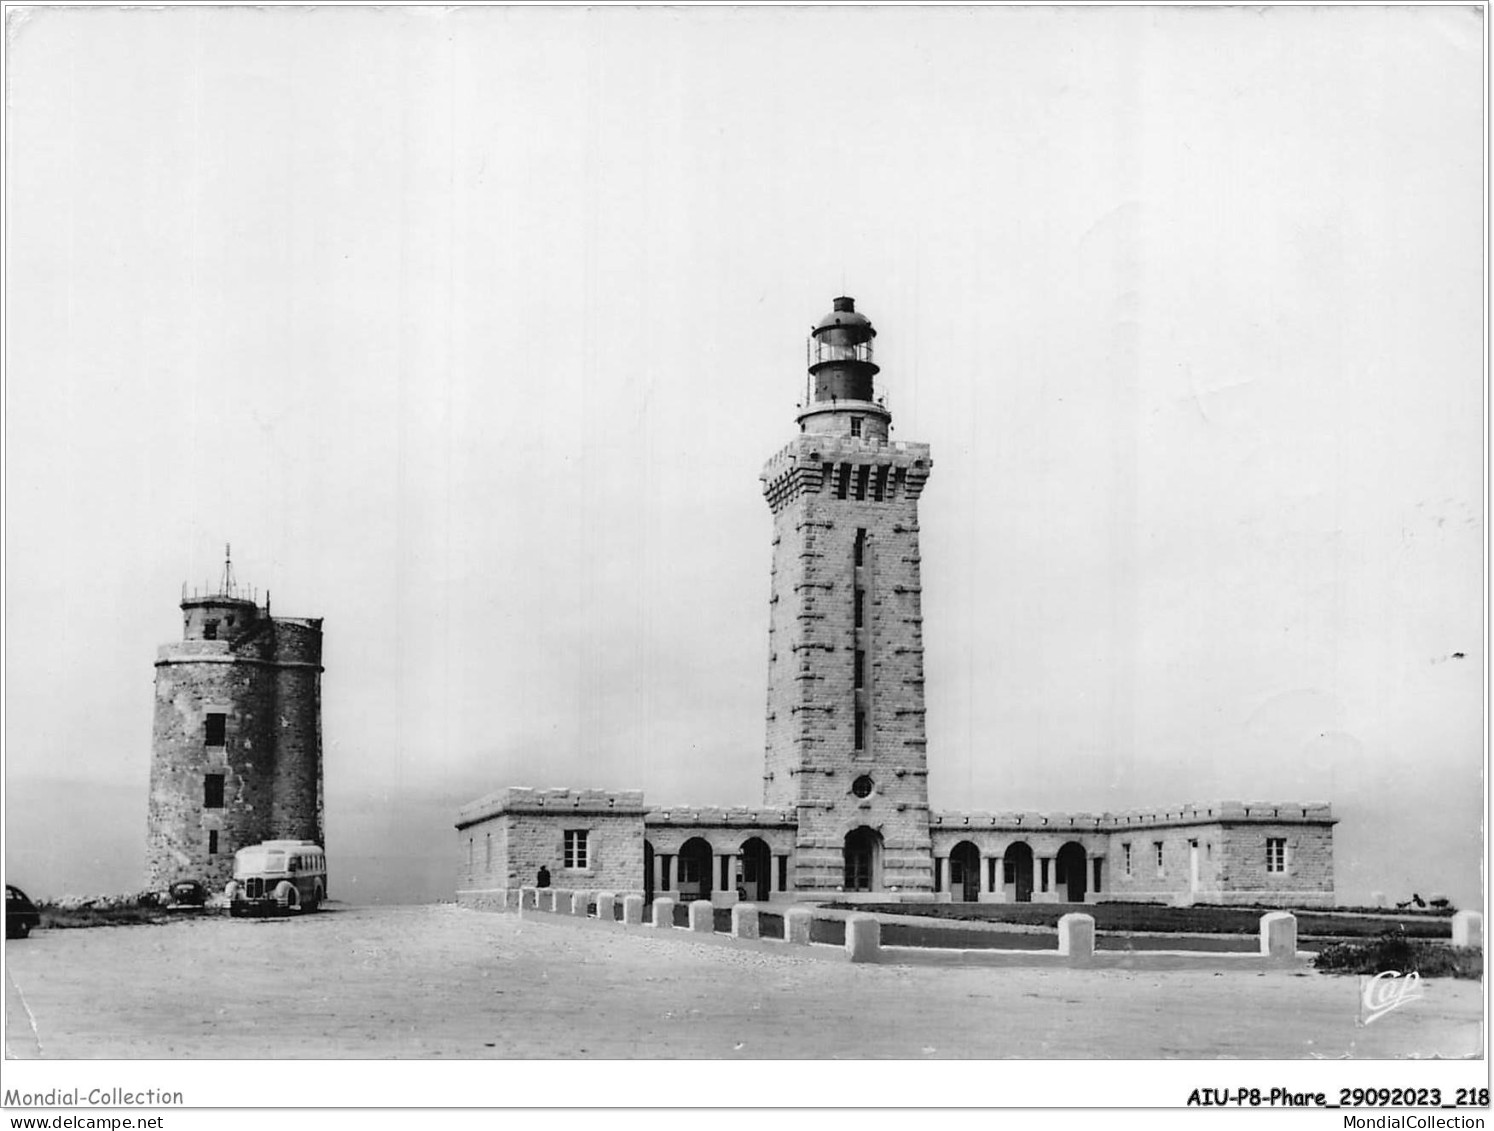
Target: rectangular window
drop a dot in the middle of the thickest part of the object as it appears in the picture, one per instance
(843, 482)
(210, 630)
(863, 474)
(487, 852)
(861, 608)
(212, 842)
(860, 546)
(1276, 854)
(855, 426)
(783, 873)
(212, 791)
(860, 730)
(879, 484)
(860, 669)
(217, 730)
(1126, 858)
(991, 874)
(1157, 844)
(575, 848)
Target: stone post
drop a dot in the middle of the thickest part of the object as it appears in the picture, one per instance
(1076, 937)
(632, 910)
(663, 912)
(744, 921)
(863, 938)
(1468, 929)
(1279, 934)
(702, 916)
(580, 902)
(796, 925)
(545, 899)
(563, 902)
(607, 906)
(527, 900)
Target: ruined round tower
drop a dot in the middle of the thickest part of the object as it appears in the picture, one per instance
(237, 745)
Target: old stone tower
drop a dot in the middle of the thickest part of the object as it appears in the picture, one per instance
(237, 746)
(846, 746)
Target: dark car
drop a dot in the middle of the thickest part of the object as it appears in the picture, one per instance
(20, 913)
(188, 893)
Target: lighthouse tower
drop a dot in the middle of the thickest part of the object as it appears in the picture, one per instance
(846, 746)
(236, 752)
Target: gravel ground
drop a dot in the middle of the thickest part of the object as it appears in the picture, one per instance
(441, 981)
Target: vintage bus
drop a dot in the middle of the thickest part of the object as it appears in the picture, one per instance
(278, 876)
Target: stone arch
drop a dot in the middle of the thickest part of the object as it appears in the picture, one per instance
(695, 866)
(964, 872)
(757, 869)
(863, 859)
(1016, 872)
(1069, 867)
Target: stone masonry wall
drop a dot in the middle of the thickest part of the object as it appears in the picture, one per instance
(527, 829)
(270, 759)
(812, 699)
(297, 796)
(188, 689)
(1232, 864)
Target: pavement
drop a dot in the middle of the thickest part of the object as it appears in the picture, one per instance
(439, 981)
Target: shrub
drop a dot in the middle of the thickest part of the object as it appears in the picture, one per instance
(1395, 952)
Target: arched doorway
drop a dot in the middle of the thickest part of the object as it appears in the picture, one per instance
(757, 867)
(648, 872)
(863, 860)
(1016, 872)
(1068, 870)
(695, 869)
(964, 872)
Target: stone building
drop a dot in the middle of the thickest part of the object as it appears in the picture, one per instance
(236, 754)
(845, 774)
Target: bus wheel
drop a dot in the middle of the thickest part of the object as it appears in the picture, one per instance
(316, 900)
(287, 896)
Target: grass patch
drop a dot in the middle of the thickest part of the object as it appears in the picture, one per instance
(1154, 917)
(1394, 952)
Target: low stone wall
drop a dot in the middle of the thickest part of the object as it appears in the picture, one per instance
(862, 933)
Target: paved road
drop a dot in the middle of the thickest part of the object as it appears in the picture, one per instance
(440, 981)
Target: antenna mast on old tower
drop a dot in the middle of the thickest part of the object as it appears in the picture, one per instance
(226, 587)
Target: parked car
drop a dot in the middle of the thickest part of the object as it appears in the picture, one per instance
(20, 913)
(188, 893)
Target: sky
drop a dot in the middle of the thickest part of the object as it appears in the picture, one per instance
(471, 330)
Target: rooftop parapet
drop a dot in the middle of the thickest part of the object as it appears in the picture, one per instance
(816, 449)
(523, 799)
(723, 816)
(1200, 813)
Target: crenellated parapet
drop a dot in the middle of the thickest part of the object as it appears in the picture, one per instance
(832, 465)
(1201, 813)
(558, 801)
(717, 816)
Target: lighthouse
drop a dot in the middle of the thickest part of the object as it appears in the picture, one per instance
(846, 746)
